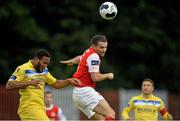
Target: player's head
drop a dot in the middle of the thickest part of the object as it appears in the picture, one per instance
(48, 98)
(41, 59)
(147, 86)
(99, 43)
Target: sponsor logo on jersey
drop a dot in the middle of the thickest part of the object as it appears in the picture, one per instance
(35, 73)
(149, 103)
(94, 62)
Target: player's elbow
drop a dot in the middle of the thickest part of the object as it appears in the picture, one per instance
(77, 59)
(56, 86)
(8, 85)
(94, 78)
(60, 84)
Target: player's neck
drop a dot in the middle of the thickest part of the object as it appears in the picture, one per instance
(32, 62)
(147, 95)
(49, 107)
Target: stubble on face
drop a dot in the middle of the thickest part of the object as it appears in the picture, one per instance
(147, 88)
(101, 48)
(41, 64)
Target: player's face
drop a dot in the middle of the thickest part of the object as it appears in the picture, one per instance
(48, 99)
(100, 48)
(42, 63)
(147, 88)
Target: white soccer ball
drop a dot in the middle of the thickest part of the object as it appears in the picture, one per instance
(108, 10)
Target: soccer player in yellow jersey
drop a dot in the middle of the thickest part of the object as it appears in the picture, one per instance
(146, 105)
(30, 79)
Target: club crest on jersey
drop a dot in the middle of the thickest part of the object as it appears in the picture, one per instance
(94, 62)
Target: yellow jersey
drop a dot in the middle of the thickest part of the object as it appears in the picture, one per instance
(145, 109)
(32, 99)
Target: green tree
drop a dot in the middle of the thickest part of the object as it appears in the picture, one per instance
(143, 38)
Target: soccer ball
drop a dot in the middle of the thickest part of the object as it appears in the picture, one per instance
(108, 10)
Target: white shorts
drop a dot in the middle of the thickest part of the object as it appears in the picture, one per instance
(86, 99)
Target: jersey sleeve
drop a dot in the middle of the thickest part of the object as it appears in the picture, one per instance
(161, 105)
(18, 74)
(93, 63)
(127, 109)
(163, 110)
(61, 116)
(50, 79)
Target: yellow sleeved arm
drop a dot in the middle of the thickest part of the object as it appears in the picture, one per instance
(125, 113)
(126, 110)
(50, 79)
(18, 74)
(164, 112)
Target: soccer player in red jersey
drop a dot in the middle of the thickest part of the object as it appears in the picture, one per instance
(53, 112)
(85, 97)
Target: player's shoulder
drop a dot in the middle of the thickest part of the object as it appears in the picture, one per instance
(157, 98)
(56, 106)
(23, 66)
(20, 69)
(94, 55)
(136, 97)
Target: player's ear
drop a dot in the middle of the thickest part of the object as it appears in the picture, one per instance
(152, 88)
(93, 45)
(36, 59)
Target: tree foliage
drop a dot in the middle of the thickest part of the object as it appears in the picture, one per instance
(143, 38)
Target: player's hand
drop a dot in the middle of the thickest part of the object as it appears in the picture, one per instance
(36, 83)
(68, 62)
(169, 117)
(75, 81)
(110, 76)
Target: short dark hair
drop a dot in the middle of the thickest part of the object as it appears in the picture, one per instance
(149, 80)
(98, 38)
(40, 53)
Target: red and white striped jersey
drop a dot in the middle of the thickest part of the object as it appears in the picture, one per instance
(89, 62)
(55, 113)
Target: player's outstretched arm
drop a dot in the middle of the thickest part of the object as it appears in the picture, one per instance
(127, 110)
(164, 113)
(125, 114)
(96, 76)
(72, 61)
(13, 84)
(63, 83)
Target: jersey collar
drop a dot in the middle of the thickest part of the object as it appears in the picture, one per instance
(149, 97)
(92, 49)
(30, 64)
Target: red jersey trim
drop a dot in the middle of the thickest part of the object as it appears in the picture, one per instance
(163, 111)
